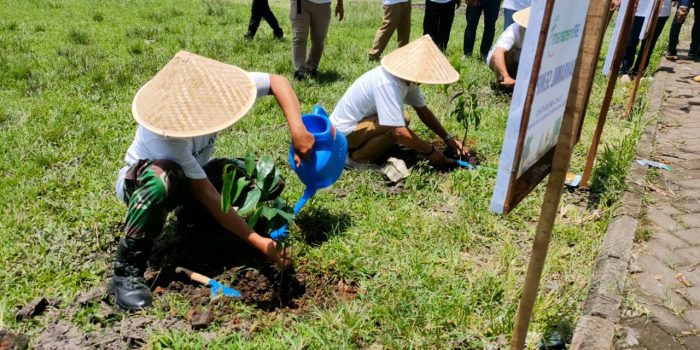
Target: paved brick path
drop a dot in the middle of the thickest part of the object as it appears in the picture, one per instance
(660, 312)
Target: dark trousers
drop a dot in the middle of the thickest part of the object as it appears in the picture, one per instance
(676, 30)
(490, 8)
(438, 22)
(633, 40)
(261, 10)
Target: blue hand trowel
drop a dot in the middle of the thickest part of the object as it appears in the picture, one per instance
(217, 289)
(325, 164)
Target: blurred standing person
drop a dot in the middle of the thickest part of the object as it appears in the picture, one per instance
(310, 17)
(261, 10)
(631, 59)
(509, 8)
(397, 17)
(490, 9)
(678, 20)
(437, 22)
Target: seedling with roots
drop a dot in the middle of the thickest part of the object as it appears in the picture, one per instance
(466, 108)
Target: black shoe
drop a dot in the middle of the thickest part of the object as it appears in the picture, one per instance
(313, 73)
(248, 35)
(131, 293)
(299, 75)
(279, 35)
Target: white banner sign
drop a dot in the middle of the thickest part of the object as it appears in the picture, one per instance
(551, 92)
(615, 36)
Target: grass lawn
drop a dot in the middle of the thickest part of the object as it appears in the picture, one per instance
(425, 266)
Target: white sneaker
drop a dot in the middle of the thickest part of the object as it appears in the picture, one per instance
(625, 78)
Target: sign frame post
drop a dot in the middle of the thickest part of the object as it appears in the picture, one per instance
(575, 111)
(612, 81)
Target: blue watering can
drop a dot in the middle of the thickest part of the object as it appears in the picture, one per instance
(325, 164)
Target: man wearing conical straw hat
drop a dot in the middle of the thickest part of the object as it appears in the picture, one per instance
(371, 112)
(504, 57)
(179, 113)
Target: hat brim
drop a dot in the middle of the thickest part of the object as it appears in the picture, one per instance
(522, 17)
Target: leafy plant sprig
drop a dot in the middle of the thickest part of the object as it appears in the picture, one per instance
(250, 190)
(466, 109)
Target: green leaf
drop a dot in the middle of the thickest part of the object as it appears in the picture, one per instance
(249, 164)
(269, 213)
(251, 200)
(270, 182)
(240, 185)
(253, 219)
(264, 168)
(228, 175)
(286, 215)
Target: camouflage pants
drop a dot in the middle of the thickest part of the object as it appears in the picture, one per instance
(153, 188)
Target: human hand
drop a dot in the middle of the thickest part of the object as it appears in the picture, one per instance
(281, 258)
(339, 11)
(303, 143)
(508, 82)
(459, 148)
(437, 157)
(681, 13)
(614, 5)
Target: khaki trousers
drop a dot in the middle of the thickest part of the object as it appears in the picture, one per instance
(314, 18)
(397, 17)
(369, 141)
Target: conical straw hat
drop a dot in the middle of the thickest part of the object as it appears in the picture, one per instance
(522, 17)
(421, 62)
(193, 96)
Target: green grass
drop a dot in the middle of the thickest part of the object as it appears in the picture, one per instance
(436, 268)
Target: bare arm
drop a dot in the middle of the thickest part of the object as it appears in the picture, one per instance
(302, 140)
(499, 61)
(210, 198)
(429, 119)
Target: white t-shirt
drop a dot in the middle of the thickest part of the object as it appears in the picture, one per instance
(516, 5)
(511, 40)
(646, 6)
(190, 153)
(375, 92)
(392, 2)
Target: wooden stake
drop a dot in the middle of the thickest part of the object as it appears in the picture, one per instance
(573, 117)
(612, 80)
(645, 57)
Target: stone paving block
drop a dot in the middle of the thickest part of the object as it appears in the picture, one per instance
(692, 294)
(693, 316)
(605, 293)
(693, 194)
(690, 254)
(660, 290)
(689, 206)
(691, 236)
(668, 210)
(653, 337)
(662, 220)
(669, 240)
(593, 333)
(693, 184)
(619, 238)
(691, 342)
(671, 258)
(691, 164)
(691, 220)
(668, 320)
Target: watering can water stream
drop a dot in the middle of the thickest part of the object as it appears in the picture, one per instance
(325, 164)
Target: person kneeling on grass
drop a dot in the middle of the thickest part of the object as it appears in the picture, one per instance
(504, 57)
(371, 115)
(179, 113)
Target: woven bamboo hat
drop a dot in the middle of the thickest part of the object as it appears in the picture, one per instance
(421, 62)
(193, 96)
(522, 17)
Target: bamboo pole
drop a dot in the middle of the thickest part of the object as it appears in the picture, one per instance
(645, 57)
(573, 117)
(612, 80)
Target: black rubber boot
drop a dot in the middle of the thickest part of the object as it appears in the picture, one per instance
(130, 290)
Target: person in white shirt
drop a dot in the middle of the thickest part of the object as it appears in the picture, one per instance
(510, 7)
(504, 57)
(310, 18)
(437, 21)
(168, 164)
(397, 17)
(371, 114)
